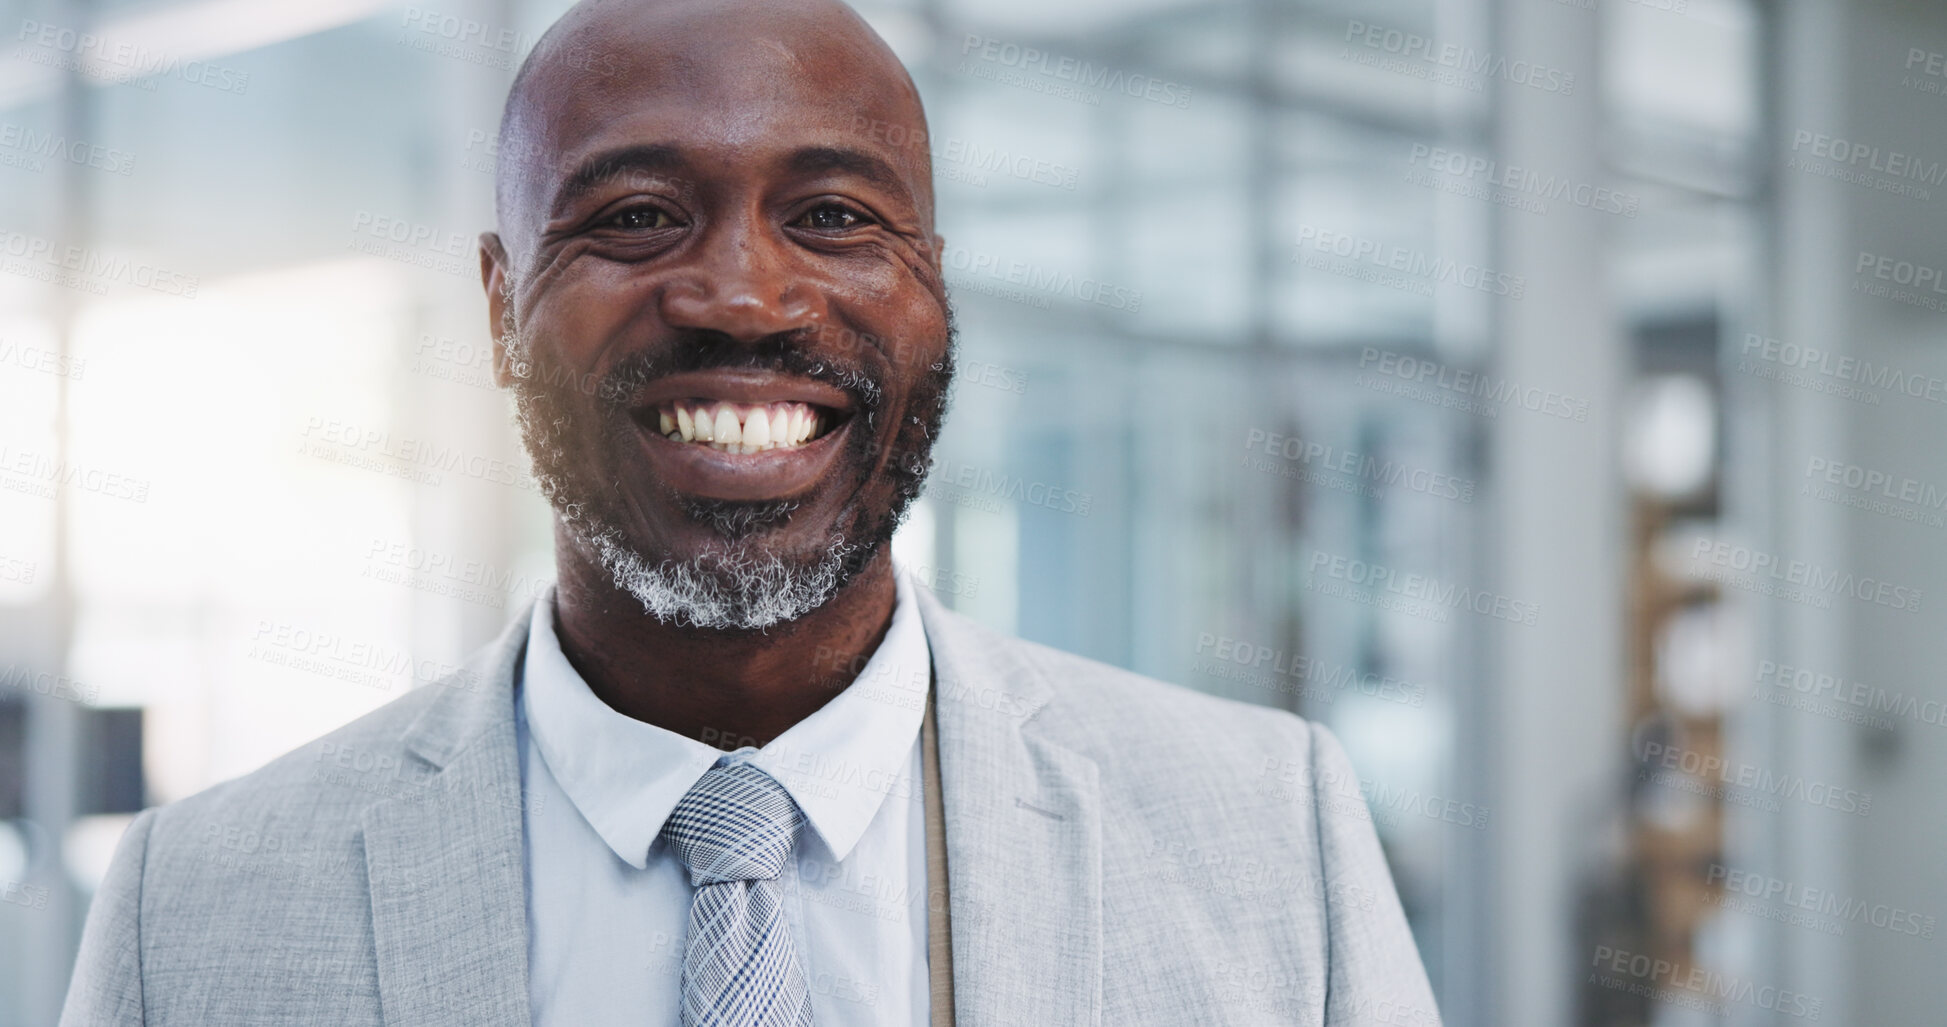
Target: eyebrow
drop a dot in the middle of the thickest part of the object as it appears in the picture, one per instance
(641, 158)
(665, 159)
(813, 160)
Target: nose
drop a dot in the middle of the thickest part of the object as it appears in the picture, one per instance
(741, 284)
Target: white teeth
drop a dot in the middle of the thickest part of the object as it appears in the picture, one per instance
(726, 429)
(736, 428)
(780, 425)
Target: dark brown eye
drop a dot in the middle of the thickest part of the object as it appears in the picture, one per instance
(830, 217)
(641, 219)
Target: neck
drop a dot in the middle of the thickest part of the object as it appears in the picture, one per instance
(723, 688)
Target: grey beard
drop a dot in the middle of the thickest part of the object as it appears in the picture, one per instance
(734, 589)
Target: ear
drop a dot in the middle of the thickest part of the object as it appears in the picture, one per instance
(494, 276)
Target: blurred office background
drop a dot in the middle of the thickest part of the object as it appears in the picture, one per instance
(1544, 395)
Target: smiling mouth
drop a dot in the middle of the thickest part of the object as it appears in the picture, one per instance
(743, 428)
(743, 433)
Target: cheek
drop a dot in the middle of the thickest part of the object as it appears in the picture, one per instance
(582, 320)
(886, 276)
(901, 318)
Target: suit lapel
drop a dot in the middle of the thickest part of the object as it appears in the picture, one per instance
(444, 858)
(1023, 837)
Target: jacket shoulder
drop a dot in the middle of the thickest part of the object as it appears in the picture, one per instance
(316, 790)
(1127, 720)
(247, 902)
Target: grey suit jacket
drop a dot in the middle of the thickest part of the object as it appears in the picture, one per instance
(1120, 851)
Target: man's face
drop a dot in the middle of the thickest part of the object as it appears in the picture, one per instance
(722, 316)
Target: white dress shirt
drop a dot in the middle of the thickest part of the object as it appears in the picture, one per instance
(608, 903)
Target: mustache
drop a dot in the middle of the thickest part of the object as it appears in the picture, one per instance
(789, 353)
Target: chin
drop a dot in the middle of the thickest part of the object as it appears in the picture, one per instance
(746, 584)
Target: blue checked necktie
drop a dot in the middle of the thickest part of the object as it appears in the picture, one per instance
(734, 830)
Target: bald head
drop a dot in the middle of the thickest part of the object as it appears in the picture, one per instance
(738, 65)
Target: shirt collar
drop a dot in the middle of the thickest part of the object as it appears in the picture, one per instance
(839, 764)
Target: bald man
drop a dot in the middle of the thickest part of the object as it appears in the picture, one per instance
(735, 768)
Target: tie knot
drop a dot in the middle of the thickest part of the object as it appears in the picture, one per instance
(735, 824)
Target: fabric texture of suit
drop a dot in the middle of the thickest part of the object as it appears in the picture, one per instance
(1119, 851)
